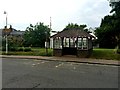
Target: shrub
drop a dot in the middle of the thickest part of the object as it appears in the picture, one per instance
(12, 49)
(3, 48)
(21, 49)
(118, 51)
(27, 49)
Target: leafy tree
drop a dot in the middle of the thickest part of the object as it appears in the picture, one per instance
(15, 41)
(116, 10)
(76, 26)
(36, 36)
(109, 31)
(105, 33)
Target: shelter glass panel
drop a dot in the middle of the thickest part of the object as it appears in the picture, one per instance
(72, 42)
(82, 43)
(66, 42)
(79, 43)
(85, 43)
(57, 43)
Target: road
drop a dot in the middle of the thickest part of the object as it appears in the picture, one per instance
(31, 73)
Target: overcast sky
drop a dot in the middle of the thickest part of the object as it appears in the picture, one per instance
(23, 12)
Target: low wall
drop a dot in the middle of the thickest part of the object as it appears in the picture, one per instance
(84, 53)
(80, 53)
(57, 52)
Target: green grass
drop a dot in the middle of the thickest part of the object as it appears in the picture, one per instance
(109, 54)
(34, 52)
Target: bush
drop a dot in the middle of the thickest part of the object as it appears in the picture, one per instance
(12, 49)
(3, 49)
(21, 49)
(27, 49)
(118, 51)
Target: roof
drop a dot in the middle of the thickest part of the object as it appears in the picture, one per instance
(72, 33)
(13, 32)
(17, 33)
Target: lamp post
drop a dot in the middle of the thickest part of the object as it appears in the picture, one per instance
(6, 33)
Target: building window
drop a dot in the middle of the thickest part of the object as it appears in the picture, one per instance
(82, 43)
(66, 42)
(57, 43)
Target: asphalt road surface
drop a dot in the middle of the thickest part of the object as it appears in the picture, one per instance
(31, 73)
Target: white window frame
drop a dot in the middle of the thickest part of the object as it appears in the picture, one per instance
(85, 43)
(82, 43)
(72, 42)
(79, 43)
(57, 43)
(66, 42)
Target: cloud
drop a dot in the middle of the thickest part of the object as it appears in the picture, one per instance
(24, 12)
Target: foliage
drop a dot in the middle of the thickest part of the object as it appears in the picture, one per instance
(27, 49)
(76, 26)
(12, 49)
(35, 36)
(15, 41)
(118, 51)
(20, 49)
(0, 41)
(109, 31)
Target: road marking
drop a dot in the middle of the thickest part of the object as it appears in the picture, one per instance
(33, 64)
(38, 63)
(43, 62)
(38, 60)
(74, 67)
(56, 66)
(59, 65)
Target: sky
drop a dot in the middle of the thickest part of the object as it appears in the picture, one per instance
(22, 13)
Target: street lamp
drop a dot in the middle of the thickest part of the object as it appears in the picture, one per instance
(6, 33)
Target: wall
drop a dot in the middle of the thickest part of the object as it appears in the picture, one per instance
(57, 52)
(84, 53)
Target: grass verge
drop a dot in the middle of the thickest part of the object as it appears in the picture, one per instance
(33, 52)
(108, 54)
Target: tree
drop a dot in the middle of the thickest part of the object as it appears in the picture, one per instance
(105, 33)
(116, 10)
(36, 36)
(76, 26)
(15, 41)
(109, 31)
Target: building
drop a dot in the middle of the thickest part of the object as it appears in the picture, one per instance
(12, 35)
(11, 32)
(72, 42)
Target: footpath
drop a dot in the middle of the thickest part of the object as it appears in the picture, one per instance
(67, 59)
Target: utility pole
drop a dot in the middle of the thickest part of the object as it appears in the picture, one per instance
(46, 43)
(50, 24)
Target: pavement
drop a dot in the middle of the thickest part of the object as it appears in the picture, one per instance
(68, 59)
